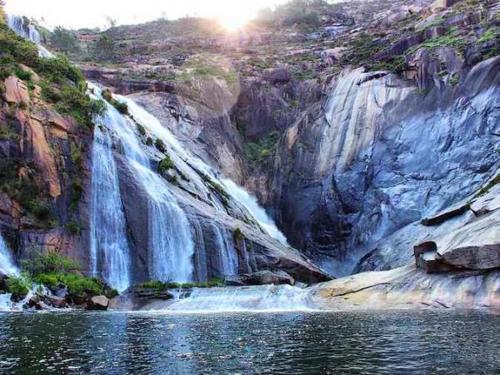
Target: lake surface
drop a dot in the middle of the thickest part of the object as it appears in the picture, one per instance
(422, 342)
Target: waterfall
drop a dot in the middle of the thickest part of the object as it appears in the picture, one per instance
(181, 154)
(24, 28)
(227, 256)
(7, 266)
(109, 251)
(267, 298)
(170, 242)
(251, 204)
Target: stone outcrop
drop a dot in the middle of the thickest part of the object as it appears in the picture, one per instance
(98, 303)
(409, 288)
(261, 278)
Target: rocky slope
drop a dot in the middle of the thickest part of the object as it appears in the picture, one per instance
(356, 124)
(52, 194)
(349, 126)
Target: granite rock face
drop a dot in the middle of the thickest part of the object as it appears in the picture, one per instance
(381, 157)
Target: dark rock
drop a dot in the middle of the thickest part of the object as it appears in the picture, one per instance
(150, 293)
(279, 75)
(261, 278)
(54, 301)
(445, 215)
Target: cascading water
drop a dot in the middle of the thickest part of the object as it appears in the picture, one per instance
(109, 250)
(24, 28)
(170, 239)
(251, 204)
(267, 298)
(171, 245)
(7, 266)
(227, 255)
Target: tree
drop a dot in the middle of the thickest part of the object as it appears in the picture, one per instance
(104, 49)
(64, 40)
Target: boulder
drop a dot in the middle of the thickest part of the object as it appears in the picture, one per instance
(16, 91)
(261, 278)
(54, 301)
(475, 246)
(488, 202)
(278, 75)
(426, 258)
(98, 303)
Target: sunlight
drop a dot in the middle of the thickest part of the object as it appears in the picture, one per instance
(234, 19)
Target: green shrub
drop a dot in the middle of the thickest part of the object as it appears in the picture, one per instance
(160, 145)
(18, 286)
(257, 151)
(73, 227)
(141, 129)
(22, 74)
(51, 262)
(165, 164)
(120, 106)
(78, 285)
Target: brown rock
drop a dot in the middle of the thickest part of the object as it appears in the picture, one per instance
(16, 91)
(98, 303)
(54, 301)
(261, 278)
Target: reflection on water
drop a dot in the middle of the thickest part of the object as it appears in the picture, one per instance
(298, 343)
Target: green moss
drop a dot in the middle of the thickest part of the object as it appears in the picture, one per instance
(165, 165)
(120, 106)
(141, 129)
(149, 141)
(238, 235)
(73, 227)
(160, 145)
(488, 187)
(491, 34)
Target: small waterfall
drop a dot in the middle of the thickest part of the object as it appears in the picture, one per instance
(5, 302)
(267, 298)
(7, 265)
(226, 252)
(24, 28)
(250, 202)
(109, 250)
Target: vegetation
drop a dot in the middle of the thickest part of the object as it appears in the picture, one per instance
(104, 49)
(489, 186)
(18, 286)
(160, 145)
(64, 40)
(263, 148)
(165, 165)
(52, 269)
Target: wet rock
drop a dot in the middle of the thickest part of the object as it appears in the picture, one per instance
(261, 278)
(98, 303)
(54, 301)
(151, 293)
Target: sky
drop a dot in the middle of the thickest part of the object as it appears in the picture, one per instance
(93, 13)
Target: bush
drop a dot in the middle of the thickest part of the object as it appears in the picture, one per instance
(73, 227)
(257, 151)
(52, 262)
(121, 107)
(160, 145)
(78, 286)
(165, 165)
(18, 286)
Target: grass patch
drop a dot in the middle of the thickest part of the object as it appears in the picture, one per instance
(260, 150)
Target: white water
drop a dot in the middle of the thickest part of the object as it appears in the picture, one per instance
(250, 202)
(226, 252)
(270, 298)
(28, 31)
(170, 242)
(179, 153)
(109, 250)
(7, 266)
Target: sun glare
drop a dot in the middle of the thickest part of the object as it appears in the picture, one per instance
(234, 19)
